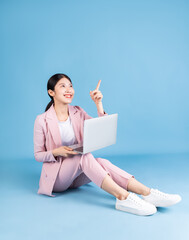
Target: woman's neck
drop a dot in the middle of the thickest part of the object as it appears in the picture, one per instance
(61, 111)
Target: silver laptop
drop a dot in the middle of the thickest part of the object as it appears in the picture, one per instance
(98, 133)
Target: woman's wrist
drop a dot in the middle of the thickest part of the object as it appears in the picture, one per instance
(55, 152)
(100, 107)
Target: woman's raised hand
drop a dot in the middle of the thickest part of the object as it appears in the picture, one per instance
(63, 151)
(96, 94)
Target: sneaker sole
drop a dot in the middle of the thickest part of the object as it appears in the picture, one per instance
(133, 211)
(166, 205)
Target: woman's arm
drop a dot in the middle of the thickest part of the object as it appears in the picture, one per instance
(100, 108)
(97, 96)
(40, 153)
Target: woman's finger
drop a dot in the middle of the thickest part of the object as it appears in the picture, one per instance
(93, 92)
(72, 153)
(98, 85)
(98, 95)
(68, 148)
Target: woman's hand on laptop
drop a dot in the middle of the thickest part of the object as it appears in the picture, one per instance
(96, 94)
(63, 151)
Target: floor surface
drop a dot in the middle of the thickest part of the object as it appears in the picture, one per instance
(88, 212)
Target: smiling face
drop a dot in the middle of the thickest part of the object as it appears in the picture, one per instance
(63, 91)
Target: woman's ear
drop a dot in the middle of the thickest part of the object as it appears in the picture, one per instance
(51, 92)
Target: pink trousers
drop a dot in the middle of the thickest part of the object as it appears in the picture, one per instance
(82, 169)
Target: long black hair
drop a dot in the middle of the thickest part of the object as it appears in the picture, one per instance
(51, 85)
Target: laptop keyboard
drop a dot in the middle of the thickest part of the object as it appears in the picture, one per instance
(79, 149)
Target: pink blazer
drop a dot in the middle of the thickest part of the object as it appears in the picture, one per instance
(47, 137)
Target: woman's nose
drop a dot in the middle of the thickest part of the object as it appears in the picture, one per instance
(68, 89)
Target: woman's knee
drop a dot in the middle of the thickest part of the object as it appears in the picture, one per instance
(103, 160)
(85, 157)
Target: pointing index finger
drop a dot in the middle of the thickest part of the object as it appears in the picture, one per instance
(98, 85)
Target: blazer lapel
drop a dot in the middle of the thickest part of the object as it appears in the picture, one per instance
(53, 127)
(76, 122)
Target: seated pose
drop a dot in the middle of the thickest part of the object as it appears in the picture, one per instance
(62, 125)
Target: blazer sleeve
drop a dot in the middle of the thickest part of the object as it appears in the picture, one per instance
(40, 153)
(86, 116)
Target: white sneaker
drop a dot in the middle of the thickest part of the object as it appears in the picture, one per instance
(136, 205)
(160, 199)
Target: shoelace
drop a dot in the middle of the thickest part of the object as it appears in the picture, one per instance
(138, 201)
(165, 195)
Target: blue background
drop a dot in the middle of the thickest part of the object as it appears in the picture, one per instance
(139, 49)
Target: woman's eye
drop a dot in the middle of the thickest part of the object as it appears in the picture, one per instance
(64, 86)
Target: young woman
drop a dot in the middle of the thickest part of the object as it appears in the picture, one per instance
(61, 125)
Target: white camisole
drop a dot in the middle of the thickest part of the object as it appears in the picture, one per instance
(67, 132)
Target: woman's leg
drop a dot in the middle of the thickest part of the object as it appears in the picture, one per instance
(69, 171)
(79, 181)
(80, 170)
(123, 179)
(106, 175)
(137, 187)
(119, 176)
(113, 188)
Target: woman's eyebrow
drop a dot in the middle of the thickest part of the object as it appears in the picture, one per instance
(63, 83)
